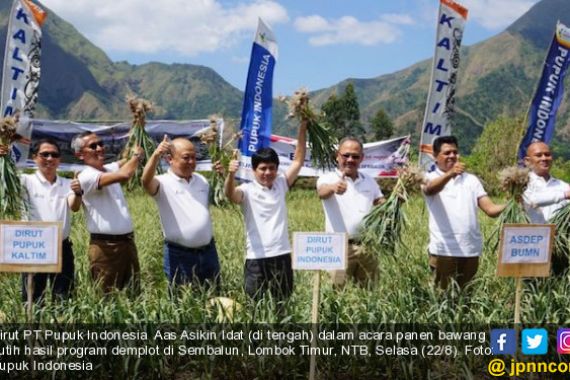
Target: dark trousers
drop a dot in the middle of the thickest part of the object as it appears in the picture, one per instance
(61, 283)
(273, 274)
(183, 265)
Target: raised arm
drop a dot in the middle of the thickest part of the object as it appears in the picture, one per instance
(148, 180)
(234, 194)
(300, 151)
(124, 173)
(435, 185)
(326, 190)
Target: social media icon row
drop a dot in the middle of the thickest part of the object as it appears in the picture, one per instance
(533, 341)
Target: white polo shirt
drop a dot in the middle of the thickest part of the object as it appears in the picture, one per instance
(543, 198)
(453, 224)
(344, 212)
(183, 208)
(48, 202)
(106, 209)
(265, 215)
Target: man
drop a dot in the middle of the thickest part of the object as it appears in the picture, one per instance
(50, 198)
(112, 252)
(182, 198)
(348, 195)
(544, 194)
(452, 196)
(268, 257)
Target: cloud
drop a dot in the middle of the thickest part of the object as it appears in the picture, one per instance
(240, 60)
(187, 27)
(496, 15)
(349, 30)
(396, 18)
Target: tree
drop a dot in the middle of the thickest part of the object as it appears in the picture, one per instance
(343, 114)
(496, 149)
(381, 126)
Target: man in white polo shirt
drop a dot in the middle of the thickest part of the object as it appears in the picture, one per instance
(113, 254)
(182, 197)
(452, 197)
(348, 195)
(268, 258)
(50, 198)
(544, 194)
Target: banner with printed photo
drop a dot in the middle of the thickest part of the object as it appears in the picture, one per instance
(381, 158)
(21, 70)
(115, 137)
(255, 124)
(440, 104)
(550, 91)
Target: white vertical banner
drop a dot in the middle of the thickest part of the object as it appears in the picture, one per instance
(21, 69)
(440, 104)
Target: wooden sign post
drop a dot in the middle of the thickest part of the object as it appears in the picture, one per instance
(30, 247)
(525, 251)
(318, 251)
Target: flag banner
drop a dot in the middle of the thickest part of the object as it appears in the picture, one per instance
(381, 158)
(21, 70)
(115, 137)
(542, 112)
(258, 97)
(440, 104)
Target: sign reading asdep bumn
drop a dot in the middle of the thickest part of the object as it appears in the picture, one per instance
(319, 251)
(30, 246)
(526, 250)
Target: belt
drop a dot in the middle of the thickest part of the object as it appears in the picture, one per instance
(123, 237)
(181, 247)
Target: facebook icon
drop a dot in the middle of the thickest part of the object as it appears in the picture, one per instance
(503, 341)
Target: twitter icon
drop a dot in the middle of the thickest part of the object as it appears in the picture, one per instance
(534, 341)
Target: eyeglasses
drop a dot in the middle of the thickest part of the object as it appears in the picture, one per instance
(93, 146)
(49, 154)
(353, 156)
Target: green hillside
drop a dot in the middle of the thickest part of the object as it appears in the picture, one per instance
(497, 77)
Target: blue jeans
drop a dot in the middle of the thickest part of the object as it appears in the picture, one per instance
(184, 265)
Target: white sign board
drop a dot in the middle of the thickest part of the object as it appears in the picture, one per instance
(526, 245)
(30, 246)
(319, 251)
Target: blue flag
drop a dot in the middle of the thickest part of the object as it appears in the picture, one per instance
(258, 98)
(542, 113)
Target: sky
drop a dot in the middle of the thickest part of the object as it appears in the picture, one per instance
(321, 42)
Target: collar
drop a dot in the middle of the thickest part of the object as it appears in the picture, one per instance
(180, 179)
(44, 180)
(358, 175)
(262, 187)
(534, 177)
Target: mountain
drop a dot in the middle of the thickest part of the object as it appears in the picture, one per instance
(80, 82)
(497, 76)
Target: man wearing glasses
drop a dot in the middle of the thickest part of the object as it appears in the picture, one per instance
(348, 195)
(112, 251)
(50, 198)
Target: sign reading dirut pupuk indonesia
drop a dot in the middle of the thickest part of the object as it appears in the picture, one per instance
(319, 251)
